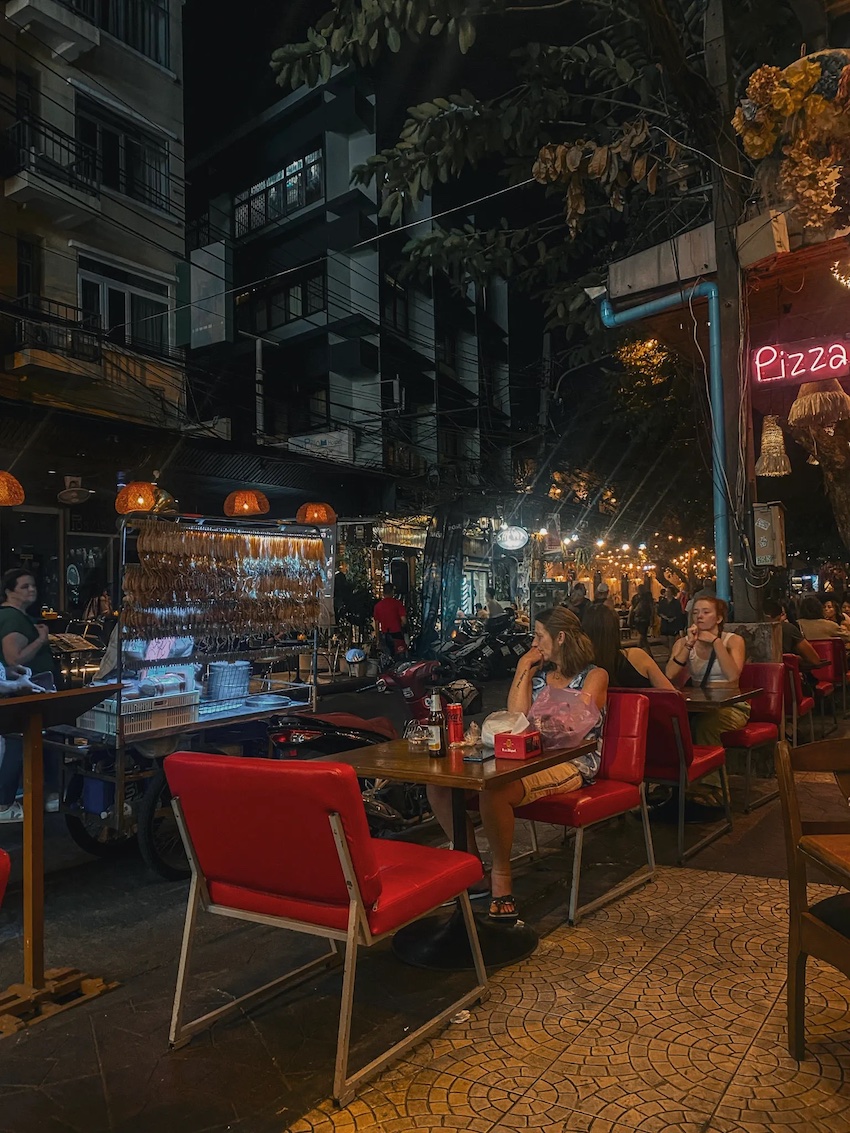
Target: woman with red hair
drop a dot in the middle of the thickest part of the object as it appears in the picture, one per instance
(710, 658)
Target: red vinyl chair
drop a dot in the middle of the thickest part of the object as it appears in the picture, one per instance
(767, 716)
(802, 705)
(829, 676)
(5, 869)
(617, 790)
(672, 758)
(295, 853)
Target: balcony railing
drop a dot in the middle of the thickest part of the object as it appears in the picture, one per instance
(141, 24)
(38, 147)
(44, 324)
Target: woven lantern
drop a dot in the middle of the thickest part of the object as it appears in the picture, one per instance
(773, 460)
(246, 501)
(140, 495)
(819, 404)
(317, 515)
(11, 492)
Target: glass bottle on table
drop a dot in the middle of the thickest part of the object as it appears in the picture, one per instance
(437, 743)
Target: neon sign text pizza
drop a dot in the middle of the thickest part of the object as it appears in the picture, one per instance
(807, 361)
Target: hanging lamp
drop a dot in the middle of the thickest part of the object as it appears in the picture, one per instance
(139, 495)
(246, 501)
(819, 404)
(316, 515)
(11, 492)
(773, 460)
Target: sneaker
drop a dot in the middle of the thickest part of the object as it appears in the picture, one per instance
(51, 803)
(13, 813)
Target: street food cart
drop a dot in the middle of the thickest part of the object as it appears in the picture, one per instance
(218, 623)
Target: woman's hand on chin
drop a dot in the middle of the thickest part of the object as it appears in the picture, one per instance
(533, 659)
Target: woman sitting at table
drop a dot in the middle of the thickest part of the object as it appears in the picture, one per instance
(710, 658)
(814, 623)
(626, 668)
(562, 657)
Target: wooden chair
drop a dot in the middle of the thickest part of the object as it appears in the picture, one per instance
(822, 929)
(295, 853)
(828, 677)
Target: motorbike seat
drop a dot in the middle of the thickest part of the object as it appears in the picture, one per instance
(379, 724)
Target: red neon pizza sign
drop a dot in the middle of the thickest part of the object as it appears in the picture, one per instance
(808, 361)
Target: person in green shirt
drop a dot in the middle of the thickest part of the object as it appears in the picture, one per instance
(22, 642)
(23, 645)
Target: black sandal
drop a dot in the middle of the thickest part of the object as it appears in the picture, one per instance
(504, 909)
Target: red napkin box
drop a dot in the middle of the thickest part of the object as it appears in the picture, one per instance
(524, 746)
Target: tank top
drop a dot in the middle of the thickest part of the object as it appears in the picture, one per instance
(696, 667)
(627, 676)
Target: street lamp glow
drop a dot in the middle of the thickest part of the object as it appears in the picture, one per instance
(600, 542)
(625, 547)
(641, 546)
(544, 531)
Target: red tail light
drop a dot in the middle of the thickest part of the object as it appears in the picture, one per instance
(296, 736)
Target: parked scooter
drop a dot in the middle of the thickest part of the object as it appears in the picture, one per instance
(390, 807)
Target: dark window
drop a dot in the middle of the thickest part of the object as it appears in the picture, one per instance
(298, 184)
(301, 296)
(396, 305)
(29, 267)
(130, 160)
(131, 308)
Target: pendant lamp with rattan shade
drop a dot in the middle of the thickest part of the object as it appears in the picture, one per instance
(139, 495)
(773, 460)
(11, 492)
(317, 515)
(819, 404)
(246, 501)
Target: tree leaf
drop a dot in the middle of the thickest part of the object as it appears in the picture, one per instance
(393, 40)
(466, 35)
(652, 178)
(624, 69)
(573, 159)
(639, 167)
(598, 163)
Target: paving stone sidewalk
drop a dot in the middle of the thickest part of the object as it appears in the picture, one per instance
(663, 1012)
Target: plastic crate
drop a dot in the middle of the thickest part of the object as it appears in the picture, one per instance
(146, 714)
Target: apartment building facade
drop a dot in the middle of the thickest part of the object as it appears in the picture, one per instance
(92, 208)
(408, 377)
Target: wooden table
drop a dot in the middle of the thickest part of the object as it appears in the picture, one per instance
(440, 942)
(830, 853)
(707, 699)
(42, 993)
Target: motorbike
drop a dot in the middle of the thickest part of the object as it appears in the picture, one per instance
(390, 807)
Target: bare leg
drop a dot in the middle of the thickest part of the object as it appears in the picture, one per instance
(440, 800)
(497, 816)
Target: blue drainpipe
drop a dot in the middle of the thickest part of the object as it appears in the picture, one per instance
(718, 439)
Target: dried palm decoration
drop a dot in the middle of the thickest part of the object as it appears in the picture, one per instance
(819, 404)
(139, 495)
(773, 460)
(319, 515)
(11, 492)
(247, 501)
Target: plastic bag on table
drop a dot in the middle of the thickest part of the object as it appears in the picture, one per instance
(498, 722)
(562, 716)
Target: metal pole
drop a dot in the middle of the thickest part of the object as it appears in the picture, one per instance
(259, 389)
(708, 291)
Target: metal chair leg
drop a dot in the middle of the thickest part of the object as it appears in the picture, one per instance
(680, 841)
(343, 1094)
(647, 831)
(748, 774)
(572, 914)
(183, 966)
(812, 724)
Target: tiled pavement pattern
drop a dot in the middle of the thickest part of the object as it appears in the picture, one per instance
(665, 1011)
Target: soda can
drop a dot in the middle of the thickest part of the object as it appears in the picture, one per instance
(454, 724)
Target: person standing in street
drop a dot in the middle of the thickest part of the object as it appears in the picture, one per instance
(390, 618)
(578, 601)
(642, 613)
(671, 616)
(603, 597)
(495, 609)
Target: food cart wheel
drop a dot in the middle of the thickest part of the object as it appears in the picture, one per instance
(159, 839)
(92, 834)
